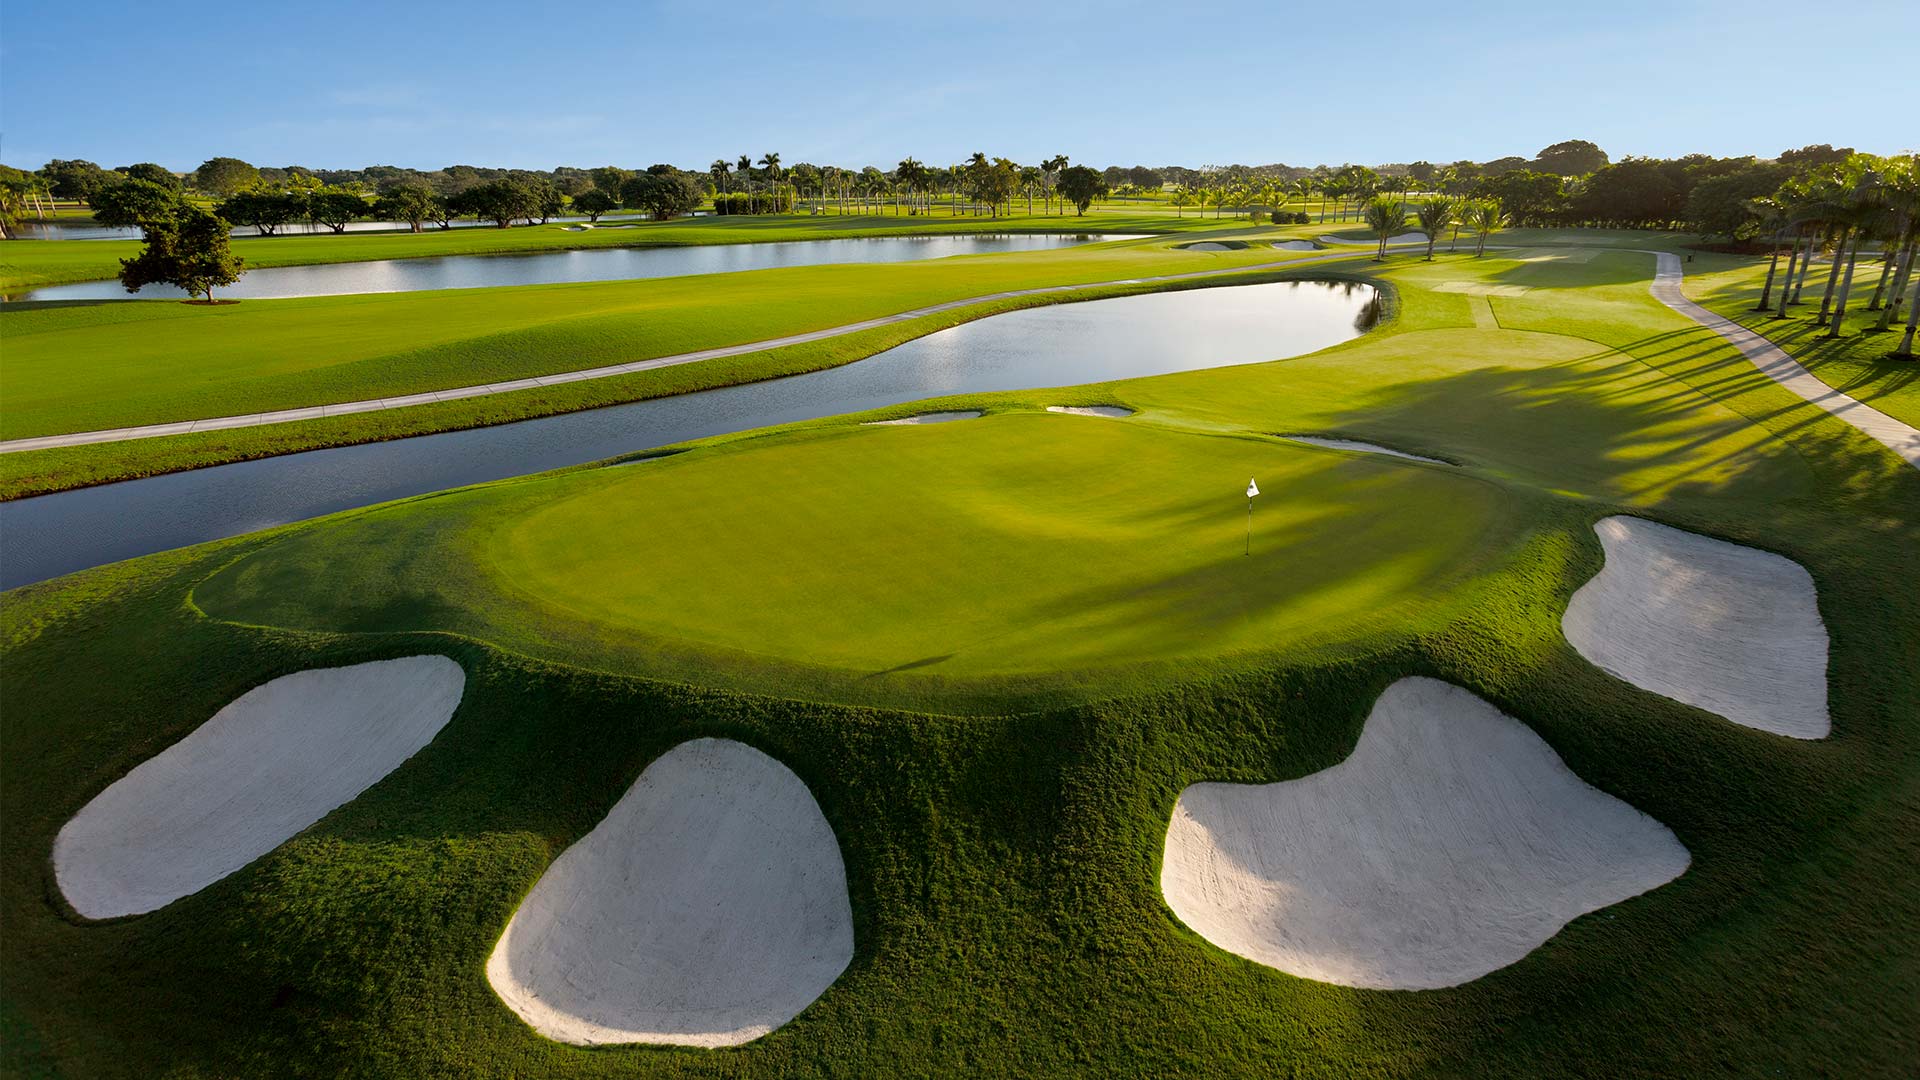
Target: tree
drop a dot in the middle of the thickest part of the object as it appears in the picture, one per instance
(224, 176)
(1575, 157)
(74, 179)
(188, 250)
(152, 174)
(547, 199)
(1812, 157)
(661, 195)
(411, 202)
(134, 203)
(1488, 218)
(1436, 213)
(1725, 205)
(1634, 193)
(593, 202)
(1530, 198)
(1080, 185)
(498, 201)
(334, 207)
(266, 209)
(18, 190)
(608, 178)
(1385, 215)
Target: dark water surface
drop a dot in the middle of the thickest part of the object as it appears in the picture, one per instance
(1063, 345)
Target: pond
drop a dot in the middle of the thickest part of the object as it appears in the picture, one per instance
(555, 267)
(1061, 345)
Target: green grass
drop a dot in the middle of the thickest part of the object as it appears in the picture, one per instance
(154, 362)
(25, 264)
(1856, 363)
(1003, 865)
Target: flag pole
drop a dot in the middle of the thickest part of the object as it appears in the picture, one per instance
(1252, 490)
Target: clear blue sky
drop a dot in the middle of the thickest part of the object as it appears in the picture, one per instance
(346, 84)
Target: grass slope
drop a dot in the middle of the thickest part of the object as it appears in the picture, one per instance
(1003, 867)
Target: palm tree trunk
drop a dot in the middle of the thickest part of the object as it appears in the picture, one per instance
(1846, 286)
(1786, 285)
(1888, 253)
(1833, 276)
(1766, 290)
(1905, 351)
(1892, 311)
(1814, 242)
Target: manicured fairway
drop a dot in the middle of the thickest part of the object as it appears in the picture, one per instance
(1067, 649)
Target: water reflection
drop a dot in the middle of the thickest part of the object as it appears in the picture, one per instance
(1062, 345)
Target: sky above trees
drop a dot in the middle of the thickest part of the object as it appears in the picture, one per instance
(860, 81)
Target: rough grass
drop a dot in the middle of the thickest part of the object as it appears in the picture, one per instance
(1003, 867)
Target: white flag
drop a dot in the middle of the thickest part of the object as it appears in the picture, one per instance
(1252, 488)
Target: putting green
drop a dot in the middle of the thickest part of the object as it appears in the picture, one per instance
(1021, 545)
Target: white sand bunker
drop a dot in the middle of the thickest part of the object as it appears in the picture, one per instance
(1362, 447)
(1451, 843)
(1725, 628)
(1481, 288)
(709, 908)
(1402, 238)
(577, 228)
(272, 762)
(930, 418)
(1091, 410)
(1296, 245)
(1213, 245)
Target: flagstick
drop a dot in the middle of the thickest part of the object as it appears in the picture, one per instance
(1249, 525)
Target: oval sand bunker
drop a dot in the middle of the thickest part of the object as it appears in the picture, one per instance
(1360, 447)
(1452, 842)
(272, 762)
(1725, 628)
(709, 908)
(1113, 411)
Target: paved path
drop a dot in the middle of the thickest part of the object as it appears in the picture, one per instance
(1773, 362)
(315, 412)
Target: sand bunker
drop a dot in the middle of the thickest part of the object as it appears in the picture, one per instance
(1725, 628)
(930, 418)
(277, 759)
(1362, 447)
(1091, 410)
(1451, 843)
(577, 228)
(1296, 245)
(709, 908)
(1214, 245)
(1403, 238)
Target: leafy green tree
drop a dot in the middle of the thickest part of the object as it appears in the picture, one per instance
(1530, 198)
(334, 207)
(662, 195)
(134, 203)
(1814, 156)
(18, 190)
(224, 176)
(265, 209)
(1725, 205)
(75, 179)
(1079, 186)
(1575, 157)
(152, 174)
(593, 202)
(1385, 215)
(498, 201)
(608, 178)
(188, 250)
(1632, 193)
(1436, 213)
(411, 201)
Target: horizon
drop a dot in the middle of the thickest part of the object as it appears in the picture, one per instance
(848, 85)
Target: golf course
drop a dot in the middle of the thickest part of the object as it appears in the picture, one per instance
(838, 541)
(994, 651)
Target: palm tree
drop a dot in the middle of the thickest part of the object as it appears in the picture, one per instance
(1856, 211)
(1436, 213)
(1385, 216)
(772, 163)
(745, 165)
(1773, 216)
(1903, 196)
(1487, 220)
(720, 170)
